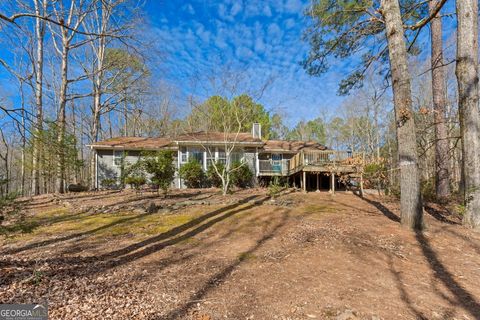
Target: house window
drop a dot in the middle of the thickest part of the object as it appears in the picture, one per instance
(183, 155)
(222, 157)
(196, 155)
(210, 156)
(236, 157)
(117, 157)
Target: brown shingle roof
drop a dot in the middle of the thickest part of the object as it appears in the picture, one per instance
(133, 143)
(203, 136)
(291, 146)
(142, 143)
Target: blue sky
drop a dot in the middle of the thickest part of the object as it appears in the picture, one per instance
(262, 37)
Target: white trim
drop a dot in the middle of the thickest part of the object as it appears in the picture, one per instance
(257, 163)
(179, 158)
(205, 160)
(96, 169)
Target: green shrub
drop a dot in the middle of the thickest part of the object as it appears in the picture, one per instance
(275, 187)
(212, 176)
(192, 174)
(160, 165)
(109, 183)
(241, 175)
(136, 181)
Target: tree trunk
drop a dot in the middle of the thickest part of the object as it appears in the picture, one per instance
(94, 130)
(467, 80)
(24, 141)
(410, 193)
(60, 179)
(38, 125)
(442, 174)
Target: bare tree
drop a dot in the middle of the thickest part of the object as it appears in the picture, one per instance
(40, 10)
(72, 18)
(227, 132)
(467, 79)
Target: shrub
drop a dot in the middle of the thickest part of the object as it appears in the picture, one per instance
(160, 165)
(275, 187)
(192, 174)
(135, 181)
(109, 183)
(212, 176)
(241, 175)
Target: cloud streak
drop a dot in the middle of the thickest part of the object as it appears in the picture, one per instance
(263, 38)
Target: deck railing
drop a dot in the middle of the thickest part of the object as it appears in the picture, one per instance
(321, 158)
(274, 167)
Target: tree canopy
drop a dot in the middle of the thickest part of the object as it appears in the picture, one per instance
(347, 28)
(236, 115)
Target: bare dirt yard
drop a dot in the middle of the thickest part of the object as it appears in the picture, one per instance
(197, 255)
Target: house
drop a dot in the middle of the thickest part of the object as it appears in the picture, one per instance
(309, 165)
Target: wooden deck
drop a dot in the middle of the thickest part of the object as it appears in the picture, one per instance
(326, 161)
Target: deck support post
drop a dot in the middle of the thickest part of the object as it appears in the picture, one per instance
(318, 184)
(304, 181)
(361, 185)
(332, 183)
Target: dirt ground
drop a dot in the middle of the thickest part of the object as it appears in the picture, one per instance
(201, 256)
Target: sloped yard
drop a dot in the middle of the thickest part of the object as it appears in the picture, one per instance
(199, 256)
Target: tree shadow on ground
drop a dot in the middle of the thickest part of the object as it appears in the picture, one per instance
(403, 292)
(30, 223)
(472, 243)
(73, 236)
(78, 266)
(463, 298)
(386, 212)
(218, 278)
(439, 215)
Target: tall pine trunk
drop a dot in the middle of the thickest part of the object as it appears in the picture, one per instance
(410, 193)
(442, 174)
(467, 80)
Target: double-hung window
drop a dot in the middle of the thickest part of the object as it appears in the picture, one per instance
(210, 156)
(117, 157)
(196, 155)
(222, 156)
(183, 155)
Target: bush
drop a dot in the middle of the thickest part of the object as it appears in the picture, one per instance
(212, 176)
(241, 175)
(109, 183)
(160, 165)
(275, 187)
(135, 181)
(192, 174)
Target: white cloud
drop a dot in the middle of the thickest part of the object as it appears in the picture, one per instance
(294, 6)
(236, 8)
(243, 52)
(289, 23)
(274, 31)
(267, 11)
(259, 45)
(189, 8)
